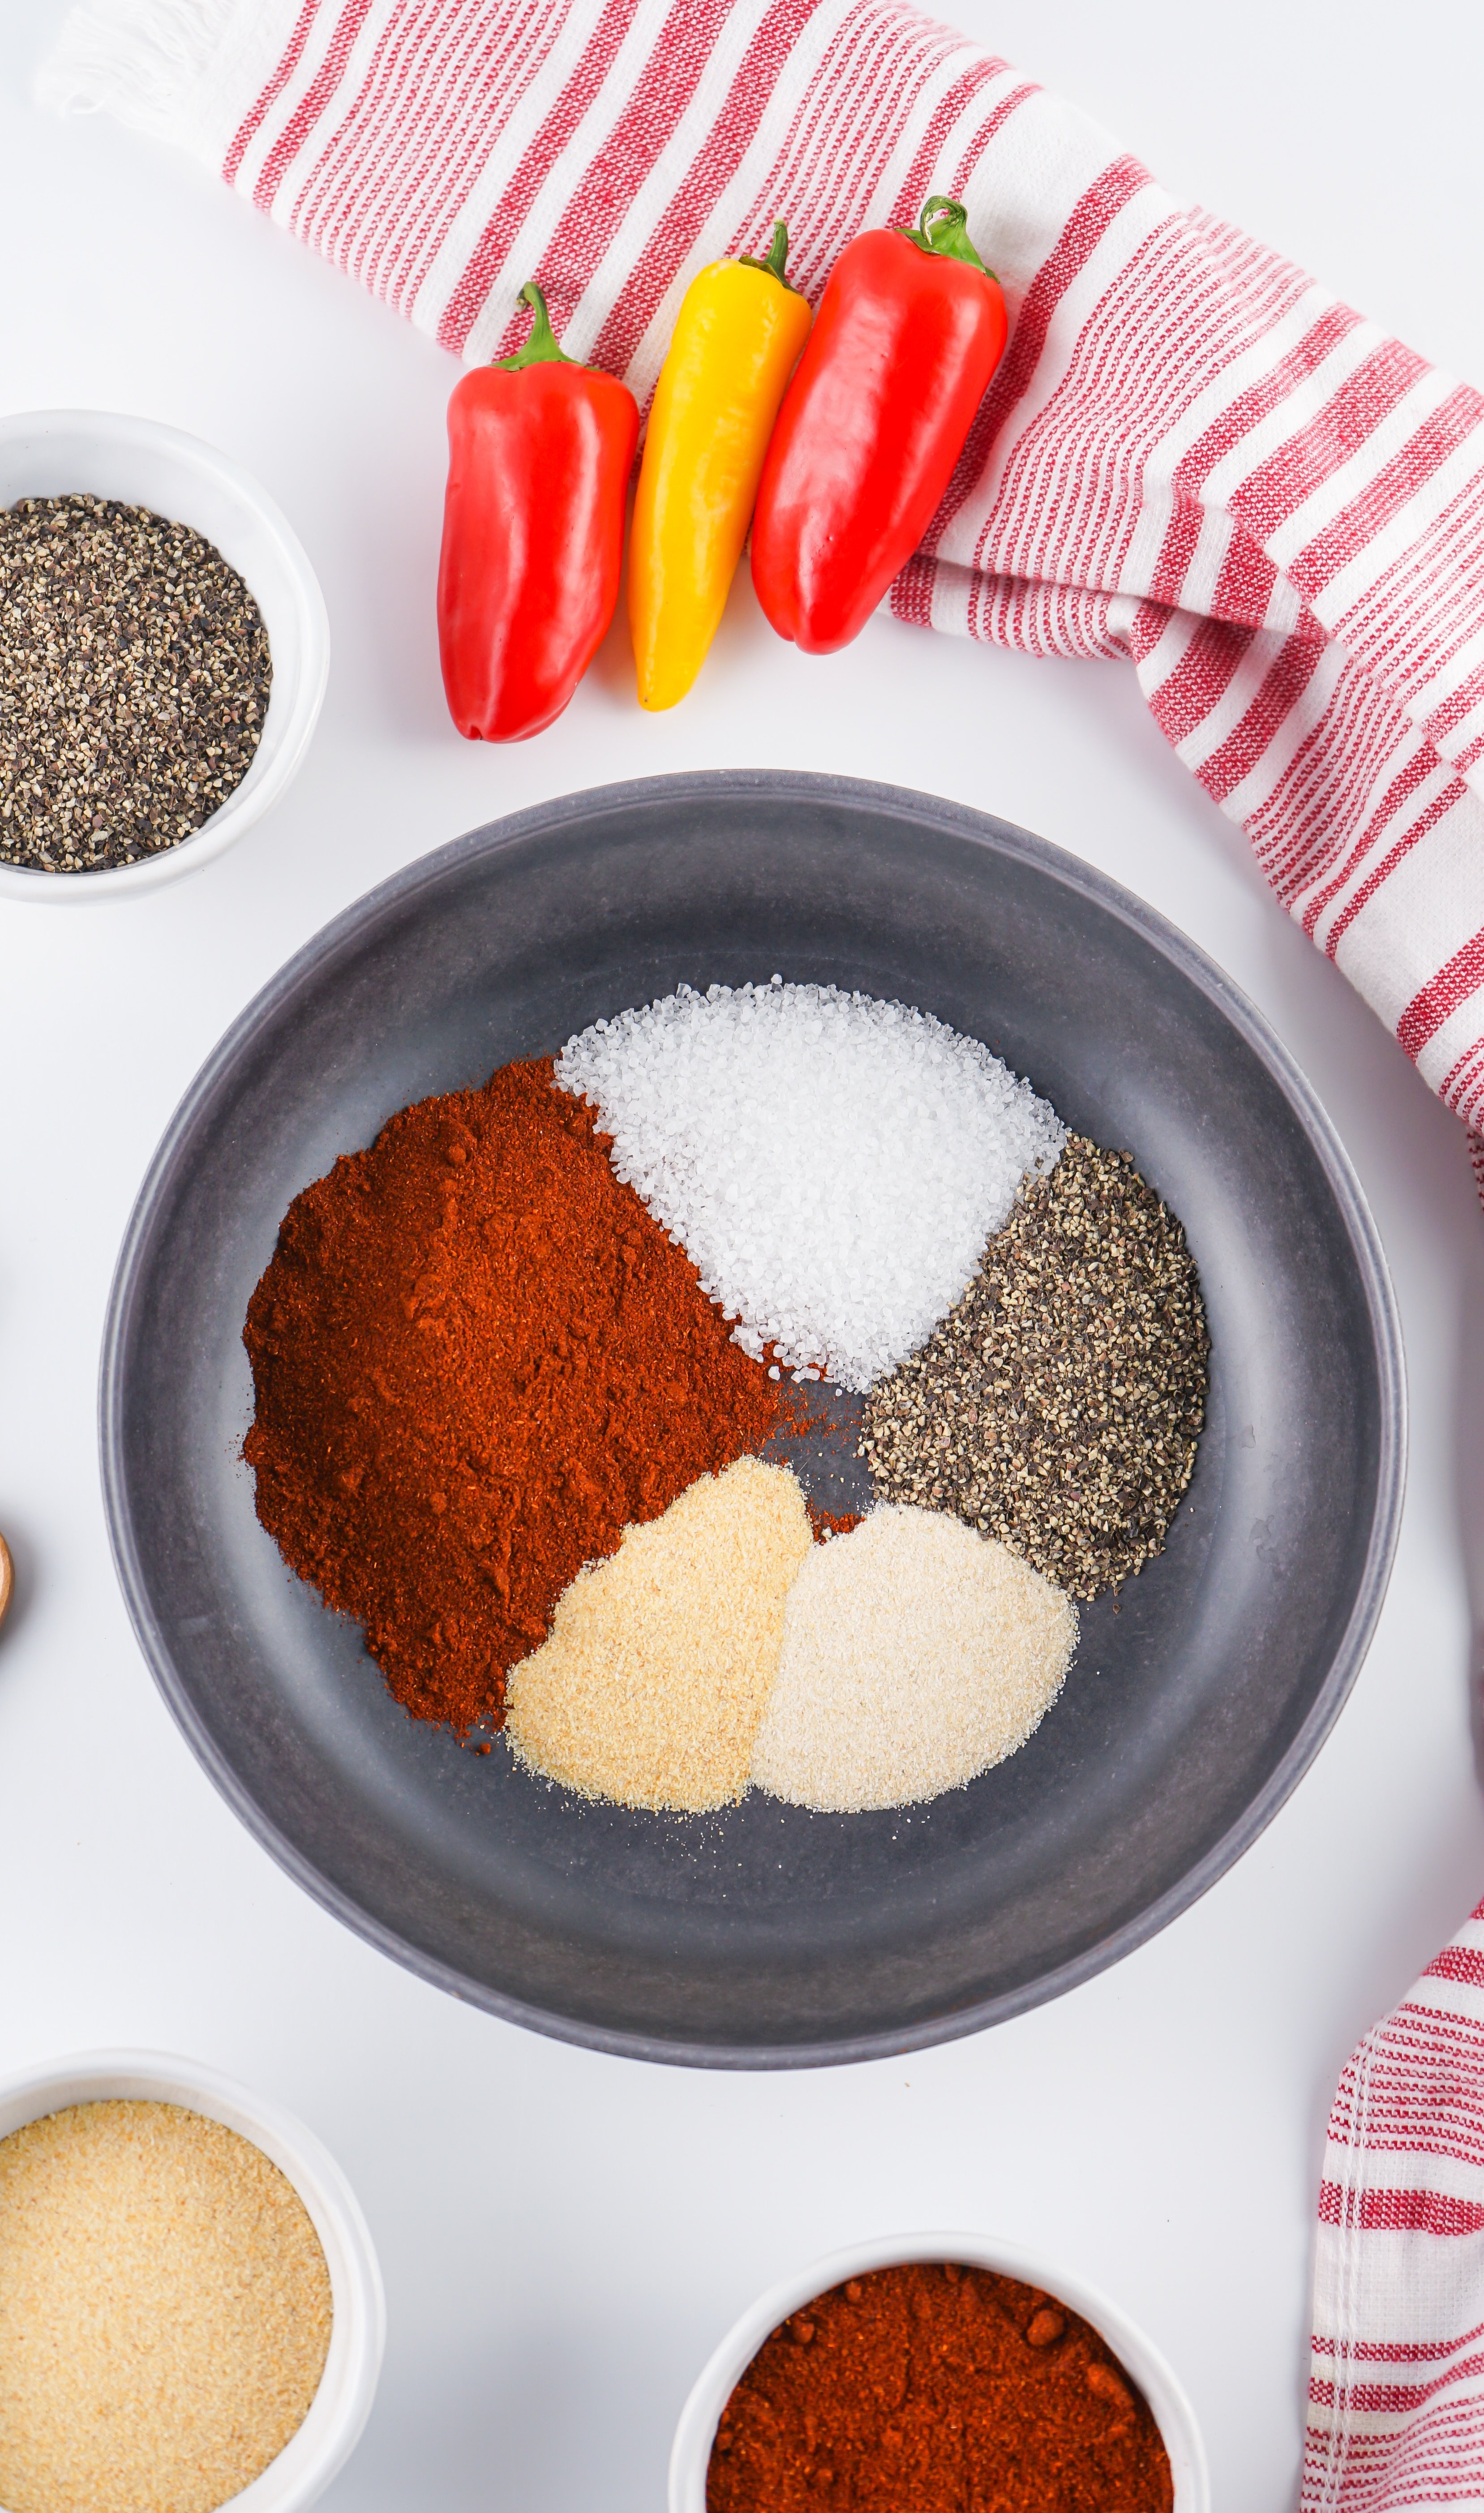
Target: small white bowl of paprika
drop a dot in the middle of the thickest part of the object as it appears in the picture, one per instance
(140, 463)
(317, 2450)
(1054, 2297)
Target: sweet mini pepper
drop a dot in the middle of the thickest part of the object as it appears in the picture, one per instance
(540, 454)
(737, 340)
(909, 331)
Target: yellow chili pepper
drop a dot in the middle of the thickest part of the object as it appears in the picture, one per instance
(736, 343)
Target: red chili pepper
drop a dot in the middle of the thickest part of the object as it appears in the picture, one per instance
(909, 333)
(540, 454)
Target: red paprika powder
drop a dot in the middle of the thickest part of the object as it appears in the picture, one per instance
(477, 1358)
(943, 2389)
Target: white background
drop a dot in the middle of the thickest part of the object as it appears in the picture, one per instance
(564, 2236)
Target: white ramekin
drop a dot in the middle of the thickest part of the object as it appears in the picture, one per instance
(342, 2405)
(714, 2387)
(52, 453)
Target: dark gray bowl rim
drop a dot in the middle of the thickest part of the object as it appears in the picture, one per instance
(541, 819)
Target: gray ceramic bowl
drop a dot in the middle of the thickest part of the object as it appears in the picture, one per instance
(767, 1935)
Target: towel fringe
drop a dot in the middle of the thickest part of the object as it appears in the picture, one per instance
(141, 60)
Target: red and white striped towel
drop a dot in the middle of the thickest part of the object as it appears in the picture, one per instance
(1192, 457)
(1396, 2389)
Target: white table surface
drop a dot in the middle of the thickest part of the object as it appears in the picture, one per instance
(565, 2236)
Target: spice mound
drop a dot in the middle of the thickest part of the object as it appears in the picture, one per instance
(1058, 1405)
(949, 2389)
(661, 1661)
(134, 683)
(834, 1164)
(512, 1425)
(165, 2311)
(477, 1360)
(916, 1655)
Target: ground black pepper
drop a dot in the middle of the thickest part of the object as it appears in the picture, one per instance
(1057, 1407)
(134, 683)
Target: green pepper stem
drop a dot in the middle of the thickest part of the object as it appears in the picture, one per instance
(943, 228)
(543, 348)
(777, 256)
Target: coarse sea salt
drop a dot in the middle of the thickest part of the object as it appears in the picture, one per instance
(831, 1164)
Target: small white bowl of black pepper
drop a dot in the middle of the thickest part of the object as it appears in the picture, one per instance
(164, 650)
